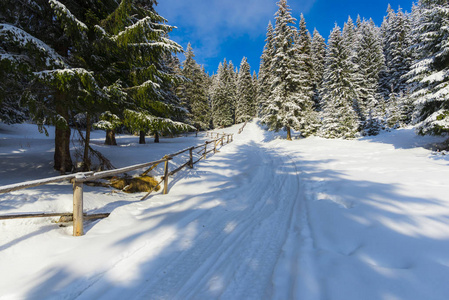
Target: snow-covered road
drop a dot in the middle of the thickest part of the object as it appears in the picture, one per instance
(262, 219)
(232, 237)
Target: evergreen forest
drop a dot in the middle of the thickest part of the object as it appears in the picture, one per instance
(111, 65)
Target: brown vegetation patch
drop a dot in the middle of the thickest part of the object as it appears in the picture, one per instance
(129, 184)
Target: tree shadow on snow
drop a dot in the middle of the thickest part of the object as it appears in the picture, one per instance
(247, 217)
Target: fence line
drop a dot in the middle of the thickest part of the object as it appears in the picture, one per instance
(78, 180)
(241, 129)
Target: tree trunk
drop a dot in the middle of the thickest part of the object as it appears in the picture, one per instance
(110, 138)
(62, 158)
(86, 161)
(156, 137)
(142, 137)
(289, 134)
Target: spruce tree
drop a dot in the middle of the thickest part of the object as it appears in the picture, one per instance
(303, 44)
(399, 109)
(304, 59)
(370, 64)
(194, 91)
(144, 122)
(338, 94)
(255, 92)
(111, 56)
(222, 97)
(396, 35)
(26, 36)
(264, 82)
(430, 71)
(245, 109)
(287, 105)
(318, 54)
(231, 88)
(350, 36)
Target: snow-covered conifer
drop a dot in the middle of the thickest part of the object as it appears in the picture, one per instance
(430, 71)
(350, 36)
(194, 91)
(245, 108)
(396, 35)
(107, 48)
(318, 54)
(338, 94)
(287, 106)
(221, 97)
(143, 123)
(255, 82)
(26, 36)
(264, 82)
(399, 109)
(303, 46)
(370, 63)
(231, 87)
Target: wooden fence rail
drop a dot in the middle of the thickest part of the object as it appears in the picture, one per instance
(241, 129)
(79, 179)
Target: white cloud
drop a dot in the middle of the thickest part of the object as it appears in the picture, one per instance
(208, 23)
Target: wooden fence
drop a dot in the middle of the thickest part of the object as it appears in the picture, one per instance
(241, 129)
(79, 179)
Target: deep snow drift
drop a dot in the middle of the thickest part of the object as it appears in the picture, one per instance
(262, 219)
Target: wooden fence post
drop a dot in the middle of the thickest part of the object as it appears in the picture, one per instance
(205, 150)
(78, 228)
(222, 140)
(166, 177)
(215, 146)
(191, 158)
(227, 139)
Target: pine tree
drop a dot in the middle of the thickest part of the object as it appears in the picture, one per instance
(318, 54)
(106, 55)
(30, 41)
(399, 110)
(338, 94)
(222, 96)
(143, 123)
(194, 91)
(231, 87)
(245, 109)
(287, 105)
(109, 122)
(430, 71)
(201, 108)
(303, 44)
(350, 35)
(255, 92)
(396, 35)
(264, 86)
(370, 64)
(304, 57)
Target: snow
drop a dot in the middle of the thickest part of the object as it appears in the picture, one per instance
(24, 39)
(62, 9)
(436, 77)
(264, 218)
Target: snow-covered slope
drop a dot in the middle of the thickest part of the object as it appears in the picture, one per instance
(262, 219)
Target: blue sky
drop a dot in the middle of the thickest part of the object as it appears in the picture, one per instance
(232, 29)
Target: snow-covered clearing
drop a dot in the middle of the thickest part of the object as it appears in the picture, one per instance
(262, 219)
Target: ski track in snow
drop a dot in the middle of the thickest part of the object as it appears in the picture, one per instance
(264, 218)
(257, 228)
